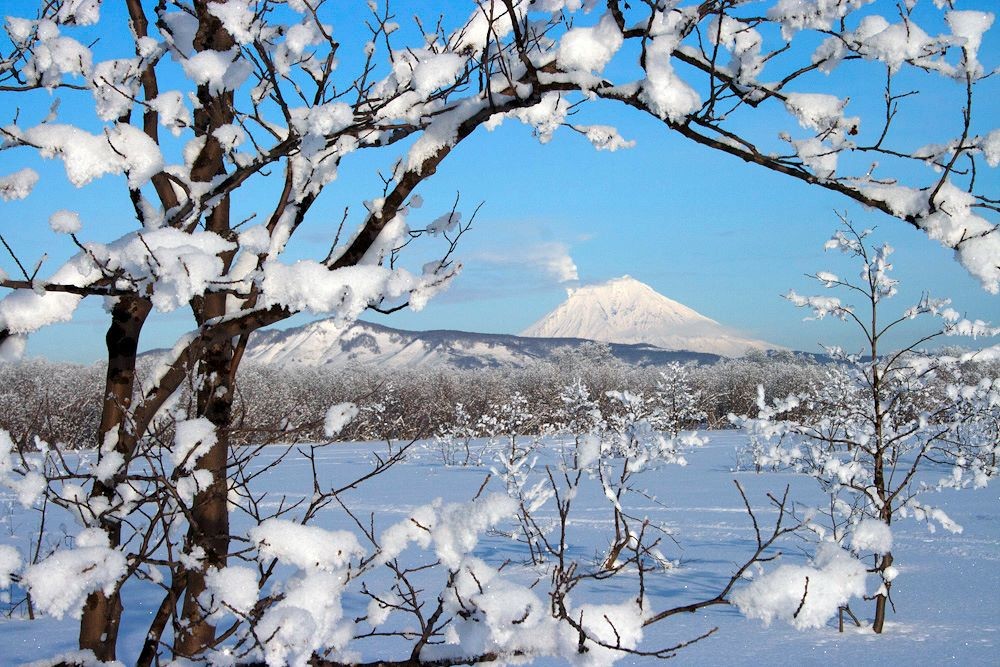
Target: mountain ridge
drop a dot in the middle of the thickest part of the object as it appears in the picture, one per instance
(323, 343)
(638, 325)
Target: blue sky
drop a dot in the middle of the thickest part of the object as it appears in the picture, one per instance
(705, 229)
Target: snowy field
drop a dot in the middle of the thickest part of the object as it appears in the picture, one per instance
(948, 609)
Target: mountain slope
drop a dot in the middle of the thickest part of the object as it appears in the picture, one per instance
(625, 310)
(322, 343)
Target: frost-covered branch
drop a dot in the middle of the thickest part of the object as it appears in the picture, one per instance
(874, 433)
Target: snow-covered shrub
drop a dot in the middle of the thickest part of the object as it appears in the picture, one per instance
(56, 402)
(880, 430)
(275, 404)
(678, 402)
(805, 596)
(453, 439)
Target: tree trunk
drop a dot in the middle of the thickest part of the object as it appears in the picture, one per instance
(209, 530)
(882, 599)
(166, 610)
(99, 624)
(209, 527)
(102, 613)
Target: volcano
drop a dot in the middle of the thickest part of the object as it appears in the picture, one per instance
(625, 310)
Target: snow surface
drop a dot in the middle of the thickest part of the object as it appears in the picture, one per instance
(948, 612)
(625, 310)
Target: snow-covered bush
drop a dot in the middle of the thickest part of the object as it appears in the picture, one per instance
(880, 430)
(630, 445)
(454, 438)
(58, 403)
(678, 402)
(805, 596)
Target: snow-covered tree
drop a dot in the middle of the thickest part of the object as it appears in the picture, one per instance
(629, 445)
(677, 401)
(191, 105)
(876, 434)
(454, 438)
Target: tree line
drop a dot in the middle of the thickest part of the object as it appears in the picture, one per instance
(58, 402)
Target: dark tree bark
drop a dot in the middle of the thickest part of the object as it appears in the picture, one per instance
(882, 599)
(209, 527)
(101, 617)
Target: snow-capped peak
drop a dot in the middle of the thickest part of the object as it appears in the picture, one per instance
(625, 310)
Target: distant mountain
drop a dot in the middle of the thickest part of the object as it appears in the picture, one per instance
(627, 311)
(640, 326)
(323, 343)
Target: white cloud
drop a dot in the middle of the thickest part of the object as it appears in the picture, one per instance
(551, 258)
(555, 259)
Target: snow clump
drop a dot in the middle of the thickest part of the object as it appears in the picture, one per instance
(305, 547)
(805, 596)
(18, 185)
(337, 417)
(309, 616)
(65, 222)
(233, 586)
(872, 535)
(10, 562)
(193, 439)
(60, 583)
(590, 49)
